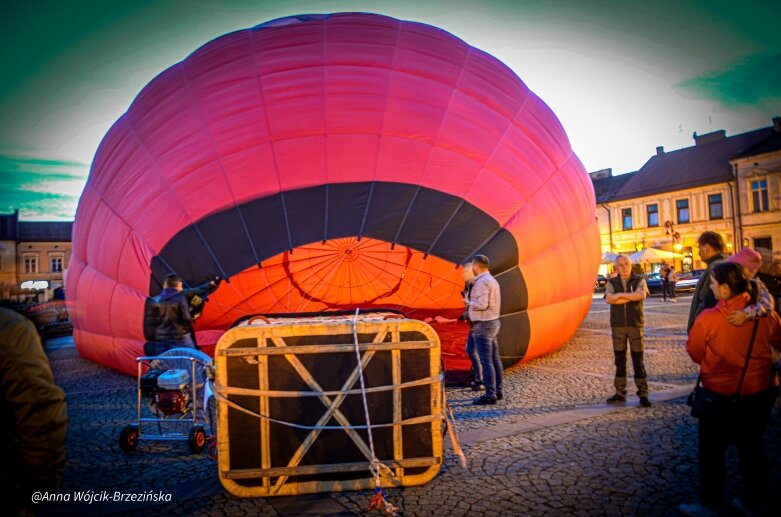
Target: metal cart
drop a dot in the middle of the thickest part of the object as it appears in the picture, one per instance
(188, 412)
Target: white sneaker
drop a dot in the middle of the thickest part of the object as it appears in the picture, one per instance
(696, 510)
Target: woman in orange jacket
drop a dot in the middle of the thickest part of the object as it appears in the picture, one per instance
(720, 349)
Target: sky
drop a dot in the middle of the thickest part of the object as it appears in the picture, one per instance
(622, 76)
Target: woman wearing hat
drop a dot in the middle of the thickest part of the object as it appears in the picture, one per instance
(765, 304)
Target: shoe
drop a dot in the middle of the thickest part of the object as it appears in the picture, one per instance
(484, 400)
(743, 508)
(499, 395)
(476, 385)
(645, 402)
(696, 510)
(616, 399)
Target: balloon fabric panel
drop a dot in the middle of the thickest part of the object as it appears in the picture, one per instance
(325, 162)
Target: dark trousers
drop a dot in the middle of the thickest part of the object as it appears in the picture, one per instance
(747, 433)
(668, 288)
(476, 374)
(485, 333)
(634, 336)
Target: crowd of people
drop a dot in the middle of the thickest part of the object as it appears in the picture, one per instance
(733, 334)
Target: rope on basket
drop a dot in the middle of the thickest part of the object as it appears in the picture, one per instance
(379, 501)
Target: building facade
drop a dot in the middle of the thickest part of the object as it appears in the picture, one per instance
(758, 175)
(33, 257)
(727, 184)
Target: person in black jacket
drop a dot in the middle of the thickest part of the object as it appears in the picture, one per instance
(33, 417)
(626, 293)
(710, 246)
(168, 321)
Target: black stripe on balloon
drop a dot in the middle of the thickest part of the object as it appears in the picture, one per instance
(417, 217)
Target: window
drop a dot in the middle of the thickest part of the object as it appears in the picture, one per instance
(759, 195)
(30, 264)
(653, 215)
(56, 263)
(626, 218)
(715, 206)
(765, 242)
(682, 207)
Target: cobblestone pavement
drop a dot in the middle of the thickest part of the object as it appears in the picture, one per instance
(552, 447)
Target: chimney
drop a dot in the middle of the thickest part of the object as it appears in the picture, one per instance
(660, 150)
(708, 138)
(601, 174)
(777, 124)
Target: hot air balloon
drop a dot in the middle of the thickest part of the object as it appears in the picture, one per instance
(327, 162)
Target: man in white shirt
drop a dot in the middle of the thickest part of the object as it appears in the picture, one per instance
(483, 305)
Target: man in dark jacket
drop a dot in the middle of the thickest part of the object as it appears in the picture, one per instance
(168, 322)
(711, 250)
(626, 293)
(33, 416)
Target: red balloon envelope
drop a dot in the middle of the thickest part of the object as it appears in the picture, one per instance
(335, 161)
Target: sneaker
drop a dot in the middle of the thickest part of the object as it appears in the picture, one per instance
(696, 510)
(645, 402)
(484, 400)
(674, 300)
(616, 399)
(499, 395)
(476, 385)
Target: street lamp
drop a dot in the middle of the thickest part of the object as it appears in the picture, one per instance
(675, 237)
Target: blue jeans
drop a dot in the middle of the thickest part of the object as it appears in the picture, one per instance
(487, 346)
(471, 351)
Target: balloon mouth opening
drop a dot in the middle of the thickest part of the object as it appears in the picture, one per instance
(340, 274)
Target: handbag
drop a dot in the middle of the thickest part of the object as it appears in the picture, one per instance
(706, 403)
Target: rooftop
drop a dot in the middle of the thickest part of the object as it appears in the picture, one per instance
(49, 231)
(606, 185)
(705, 163)
(770, 144)
(11, 229)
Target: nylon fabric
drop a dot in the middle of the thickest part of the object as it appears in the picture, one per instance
(267, 145)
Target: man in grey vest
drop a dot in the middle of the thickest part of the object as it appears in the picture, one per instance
(483, 304)
(625, 293)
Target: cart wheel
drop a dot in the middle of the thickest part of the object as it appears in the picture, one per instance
(197, 439)
(128, 438)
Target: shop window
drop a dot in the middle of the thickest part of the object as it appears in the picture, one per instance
(765, 242)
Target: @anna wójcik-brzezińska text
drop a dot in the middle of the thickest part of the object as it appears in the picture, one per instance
(103, 496)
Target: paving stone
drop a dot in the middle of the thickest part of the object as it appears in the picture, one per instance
(528, 455)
